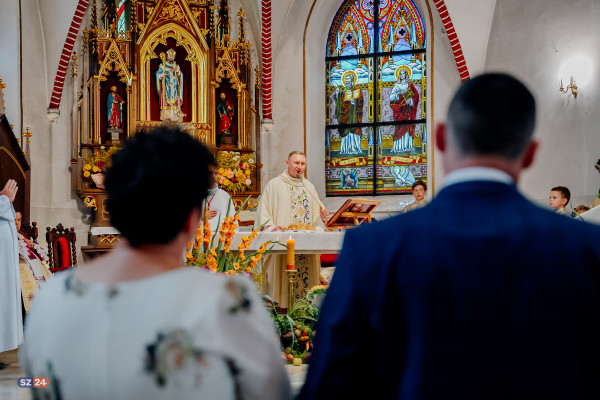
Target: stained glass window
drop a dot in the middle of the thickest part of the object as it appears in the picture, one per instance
(376, 133)
(123, 9)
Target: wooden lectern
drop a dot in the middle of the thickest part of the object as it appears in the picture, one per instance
(352, 213)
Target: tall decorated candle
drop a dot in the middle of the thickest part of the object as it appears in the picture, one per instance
(291, 263)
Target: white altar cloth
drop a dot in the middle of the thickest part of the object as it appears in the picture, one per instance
(306, 242)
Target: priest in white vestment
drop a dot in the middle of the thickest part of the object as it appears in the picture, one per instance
(33, 263)
(218, 203)
(11, 318)
(286, 199)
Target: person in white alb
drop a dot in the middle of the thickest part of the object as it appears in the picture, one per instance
(218, 203)
(11, 318)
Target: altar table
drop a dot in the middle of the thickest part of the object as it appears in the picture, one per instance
(307, 242)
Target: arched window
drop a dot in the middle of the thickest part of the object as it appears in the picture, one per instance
(123, 15)
(376, 136)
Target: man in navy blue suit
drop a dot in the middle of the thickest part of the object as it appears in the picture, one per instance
(478, 295)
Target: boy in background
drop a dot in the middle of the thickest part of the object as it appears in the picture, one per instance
(559, 198)
(419, 190)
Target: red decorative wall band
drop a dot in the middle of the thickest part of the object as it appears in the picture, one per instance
(454, 42)
(63, 63)
(267, 105)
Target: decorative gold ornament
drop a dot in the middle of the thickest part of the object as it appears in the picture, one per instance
(113, 61)
(90, 202)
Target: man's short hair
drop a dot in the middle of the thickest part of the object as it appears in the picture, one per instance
(296, 152)
(154, 182)
(492, 114)
(419, 183)
(564, 192)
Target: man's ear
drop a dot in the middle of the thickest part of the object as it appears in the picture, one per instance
(440, 136)
(530, 154)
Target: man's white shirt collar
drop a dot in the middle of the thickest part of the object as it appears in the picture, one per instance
(477, 174)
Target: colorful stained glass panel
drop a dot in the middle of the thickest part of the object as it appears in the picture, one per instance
(351, 33)
(401, 161)
(401, 28)
(348, 162)
(348, 94)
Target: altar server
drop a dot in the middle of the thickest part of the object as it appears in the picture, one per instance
(218, 203)
(289, 198)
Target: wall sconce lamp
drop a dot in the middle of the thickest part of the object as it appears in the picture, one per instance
(572, 86)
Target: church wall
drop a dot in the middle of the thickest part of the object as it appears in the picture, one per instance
(52, 200)
(9, 61)
(472, 20)
(44, 29)
(288, 98)
(532, 40)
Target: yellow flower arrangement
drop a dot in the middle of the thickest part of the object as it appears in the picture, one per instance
(236, 169)
(216, 256)
(99, 161)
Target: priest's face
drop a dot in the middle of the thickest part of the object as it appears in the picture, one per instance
(213, 174)
(296, 165)
(18, 220)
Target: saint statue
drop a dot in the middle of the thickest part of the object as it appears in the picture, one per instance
(169, 86)
(348, 110)
(114, 108)
(225, 113)
(404, 99)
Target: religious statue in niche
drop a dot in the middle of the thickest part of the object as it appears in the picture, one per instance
(349, 110)
(169, 86)
(225, 115)
(404, 99)
(114, 109)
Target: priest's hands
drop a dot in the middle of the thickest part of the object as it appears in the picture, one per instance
(324, 214)
(10, 190)
(210, 214)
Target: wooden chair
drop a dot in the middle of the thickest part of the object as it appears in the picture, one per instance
(30, 231)
(62, 252)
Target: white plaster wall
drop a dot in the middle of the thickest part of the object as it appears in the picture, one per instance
(472, 20)
(44, 27)
(9, 62)
(288, 96)
(532, 39)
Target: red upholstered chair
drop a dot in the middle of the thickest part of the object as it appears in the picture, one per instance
(62, 253)
(328, 260)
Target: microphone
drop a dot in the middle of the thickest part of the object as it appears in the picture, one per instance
(302, 181)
